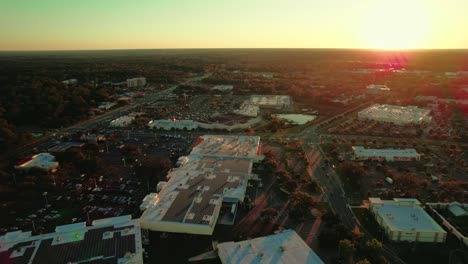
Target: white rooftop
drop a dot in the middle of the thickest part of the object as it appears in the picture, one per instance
(285, 247)
(44, 161)
(396, 114)
(238, 146)
(361, 151)
(404, 215)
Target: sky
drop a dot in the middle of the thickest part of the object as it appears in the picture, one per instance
(147, 24)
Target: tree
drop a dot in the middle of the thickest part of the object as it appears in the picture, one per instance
(268, 214)
(301, 203)
(406, 181)
(290, 185)
(347, 247)
(363, 261)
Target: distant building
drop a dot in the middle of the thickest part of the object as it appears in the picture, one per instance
(271, 101)
(106, 105)
(405, 220)
(64, 146)
(136, 82)
(377, 89)
(396, 114)
(454, 216)
(361, 153)
(70, 81)
(213, 176)
(173, 124)
(284, 247)
(121, 121)
(43, 161)
(248, 110)
(110, 240)
(223, 87)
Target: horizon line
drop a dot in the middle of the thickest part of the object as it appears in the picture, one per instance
(257, 48)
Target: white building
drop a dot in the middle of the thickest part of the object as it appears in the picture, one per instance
(222, 88)
(454, 216)
(110, 240)
(396, 114)
(247, 109)
(43, 161)
(70, 81)
(121, 121)
(271, 101)
(361, 153)
(173, 124)
(136, 82)
(377, 89)
(215, 174)
(405, 220)
(284, 247)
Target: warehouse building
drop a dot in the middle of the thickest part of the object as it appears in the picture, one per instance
(361, 153)
(43, 161)
(405, 220)
(396, 114)
(212, 177)
(173, 124)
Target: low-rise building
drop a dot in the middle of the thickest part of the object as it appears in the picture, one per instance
(453, 216)
(173, 124)
(405, 220)
(284, 247)
(222, 88)
(43, 161)
(271, 101)
(70, 81)
(396, 114)
(64, 146)
(110, 240)
(93, 138)
(121, 121)
(361, 153)
(136, 82)
(214, 175)
(377, 89)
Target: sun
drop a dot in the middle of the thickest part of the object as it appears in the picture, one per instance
(395, 25)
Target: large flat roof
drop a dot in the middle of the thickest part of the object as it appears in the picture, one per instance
(111, 240)
(238, 146)
(361, 151)
(217, 169)
(285, 247)
(404, 215)
(395, 113)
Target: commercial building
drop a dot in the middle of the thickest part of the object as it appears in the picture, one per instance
(271, 101)
(136, 82)
(70, 81)
(377, 89)
(361, 153)
(453, 216)
(284, 247)
(396, 114)
(212, 177)
(93, 138)
(173, 124)
(121, 121)
(111, 240)
(248, 110)
(64, 146)
(405, 220)
(43, 161)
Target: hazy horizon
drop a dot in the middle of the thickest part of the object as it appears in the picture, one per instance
(51, 25)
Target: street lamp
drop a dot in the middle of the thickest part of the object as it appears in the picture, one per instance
(124, 163)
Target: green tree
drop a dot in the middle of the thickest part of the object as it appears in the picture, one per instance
(347, 247)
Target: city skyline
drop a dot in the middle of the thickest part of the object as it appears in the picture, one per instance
(91, 25)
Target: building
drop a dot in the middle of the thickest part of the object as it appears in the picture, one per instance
(284, 247)
(111, 240)
(106, 105)
(361, 153)
(248, 110)
(212, 177)
(43, 161)
(173, 124)
(405, 220)
(377, 89)
(136, 82)
(121, 121)
(396, 114)
(64, 146)
(70, 81)
(271, 101)
(222, 88)
(453, 216)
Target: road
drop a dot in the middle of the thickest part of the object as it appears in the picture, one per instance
(333, 193)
